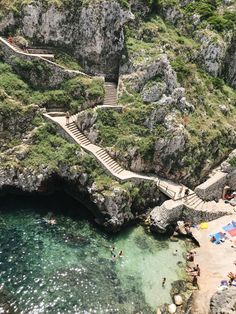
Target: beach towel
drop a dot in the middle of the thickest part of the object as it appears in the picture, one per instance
(234, 283)
(229, 227)
(218, 236)
(204, 225)
(224, 283)
(232, 232)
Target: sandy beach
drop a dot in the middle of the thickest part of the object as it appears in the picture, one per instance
(215, 261)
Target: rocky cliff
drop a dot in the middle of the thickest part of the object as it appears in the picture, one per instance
(93, 31)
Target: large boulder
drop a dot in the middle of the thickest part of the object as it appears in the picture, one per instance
(153, 92)
(163, 217)
(223, 302)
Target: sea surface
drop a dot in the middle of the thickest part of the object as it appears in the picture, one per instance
(67, 267)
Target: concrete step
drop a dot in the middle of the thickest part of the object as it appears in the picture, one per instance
(119, 171)
(198, 203)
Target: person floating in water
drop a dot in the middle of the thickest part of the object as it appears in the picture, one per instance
(121, 254)
(163, 282)
(113, 249)
(49, 219)
(113, 259)
(175, 253)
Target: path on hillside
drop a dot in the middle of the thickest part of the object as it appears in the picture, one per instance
(169, 188)
(42, 56)
(173, 190)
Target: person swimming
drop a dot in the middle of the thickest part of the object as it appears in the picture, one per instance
(164, 282)
(121, 254)
(175, 252)
(113, 259)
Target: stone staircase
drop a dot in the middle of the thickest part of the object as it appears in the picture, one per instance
(101, 155)
(194, 201)
(110, 94)
(109, 162)
(169, 188)
(76, 132)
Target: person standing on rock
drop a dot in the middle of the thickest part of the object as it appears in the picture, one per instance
(67, 117)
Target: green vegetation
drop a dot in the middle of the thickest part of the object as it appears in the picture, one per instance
(233, 161)
(208, 129)
(66, 60)
(69, 96)
(209, 12)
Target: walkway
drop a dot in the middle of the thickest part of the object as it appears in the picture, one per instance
(111, 166)
(43, 57)
(169, 188)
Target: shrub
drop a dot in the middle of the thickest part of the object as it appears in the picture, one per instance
(232, 161)
(181, 68)
(219, 23)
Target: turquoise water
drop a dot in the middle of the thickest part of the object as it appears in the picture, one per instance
(67, 267)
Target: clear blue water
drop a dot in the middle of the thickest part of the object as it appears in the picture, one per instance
(67, 267)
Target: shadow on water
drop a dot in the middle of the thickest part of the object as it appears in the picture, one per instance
(58, 203)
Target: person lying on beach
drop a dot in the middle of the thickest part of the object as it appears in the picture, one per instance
(213, 239)
(232, 277)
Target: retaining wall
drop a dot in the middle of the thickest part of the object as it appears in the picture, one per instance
(212, 188)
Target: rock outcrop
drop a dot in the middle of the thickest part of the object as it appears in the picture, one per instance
(163, 217)
(113, 206)
(93, 31)
(223, 302)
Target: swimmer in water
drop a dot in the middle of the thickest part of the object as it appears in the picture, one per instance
(175, 252)
(163, 282)
(121, 254)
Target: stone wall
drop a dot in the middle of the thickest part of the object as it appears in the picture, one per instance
(212, 188)
(51, 74)
(231, 180)
(164, 218)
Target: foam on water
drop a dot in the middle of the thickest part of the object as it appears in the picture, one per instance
(67, 267)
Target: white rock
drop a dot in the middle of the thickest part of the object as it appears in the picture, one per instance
(172, 308)
(178, 299)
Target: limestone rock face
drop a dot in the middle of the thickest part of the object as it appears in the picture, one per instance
(7, 21)
(112, 207)
(139, 74)
(229, 71)
(162, 217)
(93, 31)
(154, 92)
(226, 165)
(14, 124)
(223, 302)
(212, 52)
(86, 119)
